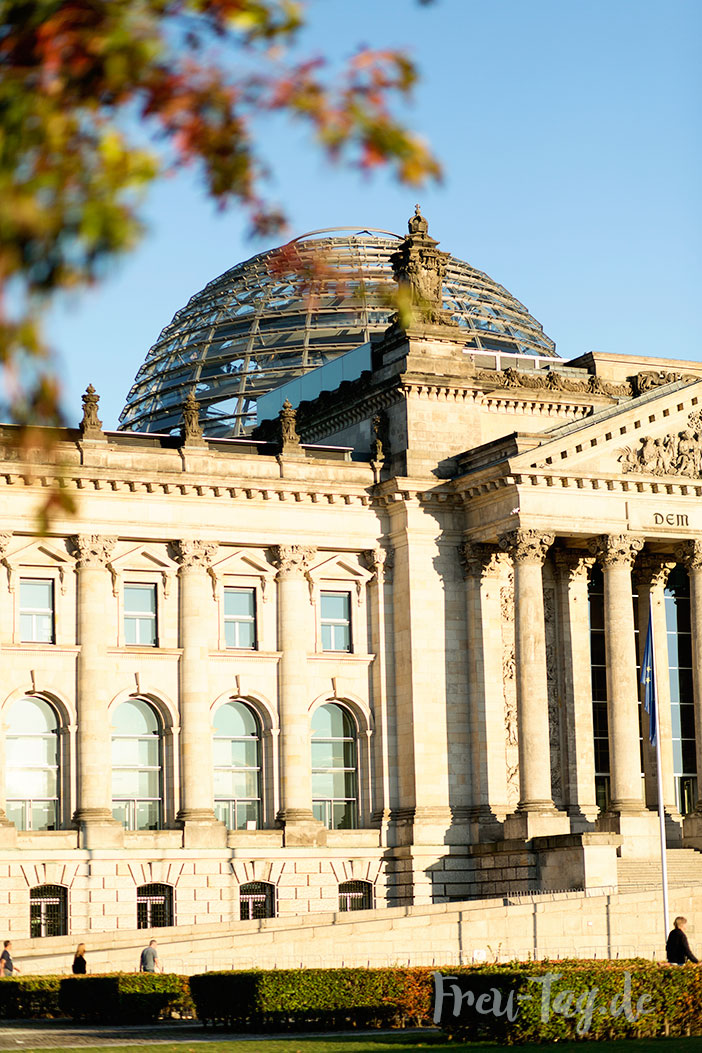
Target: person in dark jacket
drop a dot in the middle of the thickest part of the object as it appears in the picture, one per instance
(79, 965)
(677, 948)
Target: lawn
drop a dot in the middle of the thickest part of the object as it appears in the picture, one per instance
(388, 1044)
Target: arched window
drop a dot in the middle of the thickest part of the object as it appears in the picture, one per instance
(48, 911)
(237, 766)
(137, 766)
(257, 900)
(334, 782)
(154, 906)
(32, 759)
(355, 895)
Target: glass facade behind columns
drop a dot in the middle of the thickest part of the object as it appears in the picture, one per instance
(682, 703)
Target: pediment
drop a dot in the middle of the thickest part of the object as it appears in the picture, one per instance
(144, 557)
(340, 567)
(40, 554)
(244, 561)
(658, 434)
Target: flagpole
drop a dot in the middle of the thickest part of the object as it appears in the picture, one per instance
(659, 777)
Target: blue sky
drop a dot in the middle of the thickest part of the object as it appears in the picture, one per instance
(570, 139)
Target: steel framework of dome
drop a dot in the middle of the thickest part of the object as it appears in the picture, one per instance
(262, 323)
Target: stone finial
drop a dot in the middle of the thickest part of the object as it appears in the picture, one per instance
(419, 268)
(192, 429)
(90, 426)
(417, 224)
(290, 439)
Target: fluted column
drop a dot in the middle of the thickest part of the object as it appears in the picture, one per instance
(651, 574)
(196, 606)
(616, 553)
(572, 569)
(293, 563)
(528, 550)
(486, 701)
(93, 739)
(7, 829)
(690, 554)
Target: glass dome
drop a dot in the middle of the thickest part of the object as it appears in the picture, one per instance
(287, 311)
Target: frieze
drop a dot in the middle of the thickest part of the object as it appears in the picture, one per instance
(679, 454)
(655, 378)
(551, 381)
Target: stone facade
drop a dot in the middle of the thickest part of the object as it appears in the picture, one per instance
(459, 534)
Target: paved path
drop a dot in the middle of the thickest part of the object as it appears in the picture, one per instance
(54, 1034)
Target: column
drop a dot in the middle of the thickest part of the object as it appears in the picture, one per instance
(294, 641)
(379, 562)
(528, 550)
(196, 609)
(616, 554)
(690, 555)
(651, 574)
(93, 814)
(8, 834)
(483, 572)
(572, 569)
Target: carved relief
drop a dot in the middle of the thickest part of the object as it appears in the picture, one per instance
(194, 553)
(377, 561)
(5, 539)
(91, 550)
(611, 550)
(527, 546)
(656, 378)
(550, 380)
(509, 688)
(292, 561)
(554, 708)
(679, 454)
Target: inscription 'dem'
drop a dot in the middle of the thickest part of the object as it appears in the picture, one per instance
(670, 519)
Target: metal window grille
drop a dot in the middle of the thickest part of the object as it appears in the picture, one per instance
(257, 900)
(154, 906)
(355, 895)
(48, 911)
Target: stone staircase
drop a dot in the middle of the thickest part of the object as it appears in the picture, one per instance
(684, 869)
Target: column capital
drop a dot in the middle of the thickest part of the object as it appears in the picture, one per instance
(573, 565)
(197, 554)
(92, 550)
(652, 572)
(615, 550)
(689, 554)
(479, 560)
(292, 561)
(5, 539)
(379, 562)
(527, 546)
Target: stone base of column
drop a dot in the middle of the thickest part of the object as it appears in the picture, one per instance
(425, 825)
(692, 830)
(530, 822)
(487, 825)
(301, 829)
(201, 829)
(97, 828)
(640, 832)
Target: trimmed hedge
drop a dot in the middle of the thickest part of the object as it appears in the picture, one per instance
(293, 998)
(29, 997)
(125, 997)
(559, 1000)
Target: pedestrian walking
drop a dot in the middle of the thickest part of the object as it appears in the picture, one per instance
(7, 966)
(149, 962)
(677, 948)
(79, 964)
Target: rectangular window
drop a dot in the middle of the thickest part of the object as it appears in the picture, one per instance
(336, 621)
(140, 615)
(36, 610)
(240, 618)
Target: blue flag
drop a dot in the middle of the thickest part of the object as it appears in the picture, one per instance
(648, 679)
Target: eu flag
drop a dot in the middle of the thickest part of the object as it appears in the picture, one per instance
(648, 679)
